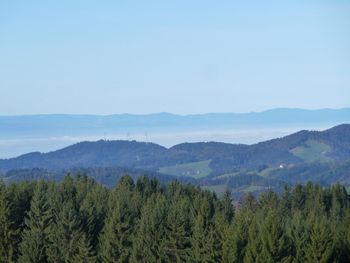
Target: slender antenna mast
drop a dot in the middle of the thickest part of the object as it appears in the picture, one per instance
(146, 137)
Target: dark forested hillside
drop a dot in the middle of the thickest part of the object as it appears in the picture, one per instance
(320, 157)
(78, 220)
(88, 154)
(304, 146)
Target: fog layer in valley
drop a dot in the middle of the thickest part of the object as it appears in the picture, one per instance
(16, 146)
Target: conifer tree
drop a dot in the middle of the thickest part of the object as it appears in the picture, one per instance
(296, 231)
(67, 240)
(199, 252)
(298, 198)
(338, 228)
(117, 236)
(178, 231)
(18, 197)
(148, 243)
(319, 247)
(237, 240)
(285, 204)
(228, 209)
(83, 252)
(92, 212)
(347, 237)
(205, 239)
(253, 247)
(35, 240)
(228, 244)
(214, 245)
(275, 245)
(6, 228)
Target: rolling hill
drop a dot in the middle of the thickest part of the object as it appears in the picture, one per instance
(331, 144)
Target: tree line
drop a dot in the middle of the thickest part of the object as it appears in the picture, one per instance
(79, 220)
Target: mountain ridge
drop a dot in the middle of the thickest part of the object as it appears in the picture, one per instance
(70, 124)
(165, 113)
(223, 156)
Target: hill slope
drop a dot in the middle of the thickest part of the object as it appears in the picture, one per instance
(332, 144)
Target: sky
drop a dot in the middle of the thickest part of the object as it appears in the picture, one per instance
(184, 57)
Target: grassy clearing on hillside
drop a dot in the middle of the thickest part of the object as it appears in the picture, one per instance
(313, 151)
(242, 171)
(195, 170)
(267, 171)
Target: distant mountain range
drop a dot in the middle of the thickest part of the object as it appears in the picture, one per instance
(45, 133)
(71, 125)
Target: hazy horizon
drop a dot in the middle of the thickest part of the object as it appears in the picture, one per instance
(179, 114)
(181, 57)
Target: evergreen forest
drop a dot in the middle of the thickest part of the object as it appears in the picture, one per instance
(79, 220)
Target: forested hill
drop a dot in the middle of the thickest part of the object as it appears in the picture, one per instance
(303, 146)
(78, 220)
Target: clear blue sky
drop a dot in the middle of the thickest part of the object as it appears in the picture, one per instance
(184, 56)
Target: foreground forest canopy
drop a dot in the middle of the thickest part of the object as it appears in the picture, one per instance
(78, 220)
